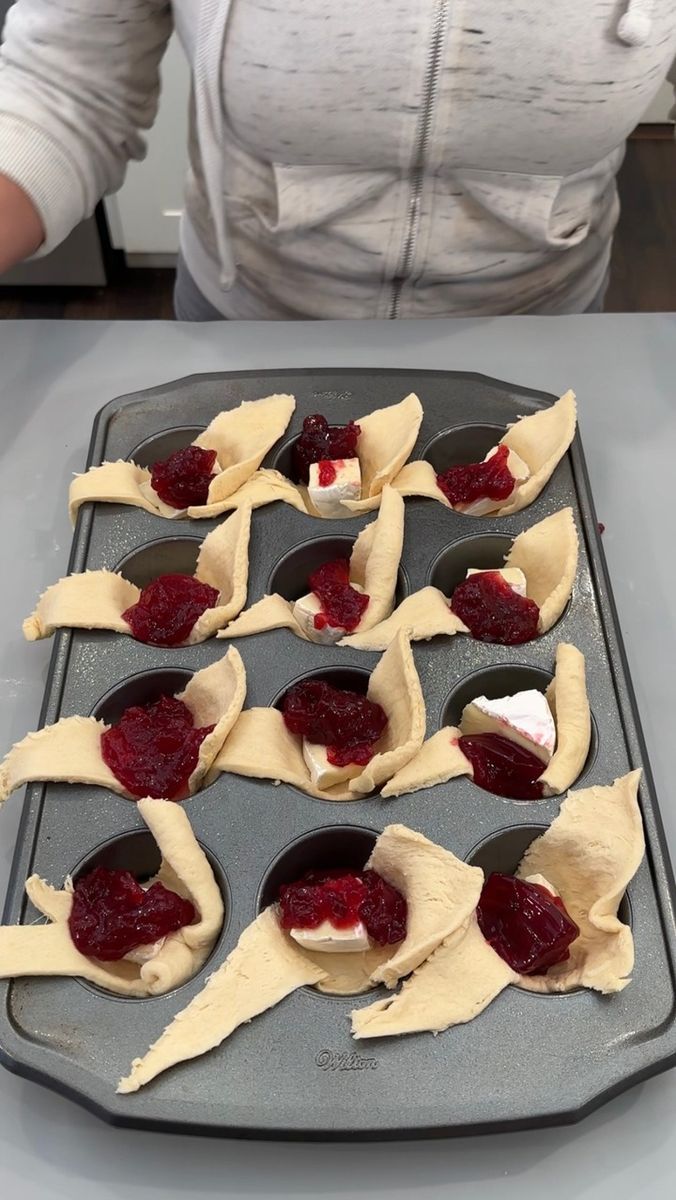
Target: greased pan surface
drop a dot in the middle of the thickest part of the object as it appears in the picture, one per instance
(295, 1071)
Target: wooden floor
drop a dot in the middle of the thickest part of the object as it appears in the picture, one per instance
(643, 269)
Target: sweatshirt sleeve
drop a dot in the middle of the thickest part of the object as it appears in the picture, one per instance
(78, 80)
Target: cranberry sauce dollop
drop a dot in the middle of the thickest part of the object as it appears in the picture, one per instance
(320, 442)
(184, 477)
(346, 722)
(493, 611)
(153, 750)
(166, 610)
(342, 606)
(490, 480)
(502, 767)
(344, 898)
(327, 472)
(525, 924)
(111, 914)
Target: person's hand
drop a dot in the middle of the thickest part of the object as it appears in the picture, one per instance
(21, 231)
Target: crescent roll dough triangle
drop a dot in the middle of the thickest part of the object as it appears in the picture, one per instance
(49, 949)
(394, 684)
(451, 987)
(374, 563)
(589, 854)
(440, 758)
(421, 616)
(70, 750)
(540, 439)
(264, 968)
(387, 437)
(547, 555)
(97, 599)
(241, 438)
(441, 892)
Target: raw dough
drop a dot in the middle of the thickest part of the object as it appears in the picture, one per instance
(49, 949)
(588, 856)
(440, 757)
(70, 750)
(452, 987)
(440, 890)
(590, 853)
(374, 563)
(97, 599)
(567, 698)
(394, 684)
(421, 616)
(547, 555)
(540, 439)
(241, 437)
(387, 438)
(438, 760)
(265, 966)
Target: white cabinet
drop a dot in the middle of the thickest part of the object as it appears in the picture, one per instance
(144, 215)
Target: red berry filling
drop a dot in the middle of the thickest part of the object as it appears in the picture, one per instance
(490, 480)
(342, 606)
(153, 750)
(346, 722)
(111, 914)
(525, 924)
(167, 609)
(503, 767)
(493, 611)
(183, 479)
(344, 898)
(327, 472)
(320, 442)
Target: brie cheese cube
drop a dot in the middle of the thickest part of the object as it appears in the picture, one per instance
(525, 718)
(305, 611)
(143, 954)
(330, 940)
(511, 575)
(323, 773)
(328, 499)
(516, 467)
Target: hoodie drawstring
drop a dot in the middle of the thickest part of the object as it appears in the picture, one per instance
(636, 24)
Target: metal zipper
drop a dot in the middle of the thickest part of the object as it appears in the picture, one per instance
(418, 163)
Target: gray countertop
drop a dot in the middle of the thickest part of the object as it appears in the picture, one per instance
(53, 379)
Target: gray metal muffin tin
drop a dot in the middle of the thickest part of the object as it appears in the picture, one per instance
(295, 1072)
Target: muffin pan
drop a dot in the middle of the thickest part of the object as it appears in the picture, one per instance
(295, 1072)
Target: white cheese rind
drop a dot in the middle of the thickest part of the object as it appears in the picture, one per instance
(323, 773)
(328, 501)
(511, 575)
(329, 940)
(525, 718)
(304, 612)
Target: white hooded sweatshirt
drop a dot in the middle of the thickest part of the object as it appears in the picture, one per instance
(396, 158)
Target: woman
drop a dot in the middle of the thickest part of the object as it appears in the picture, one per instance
(396, 158)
